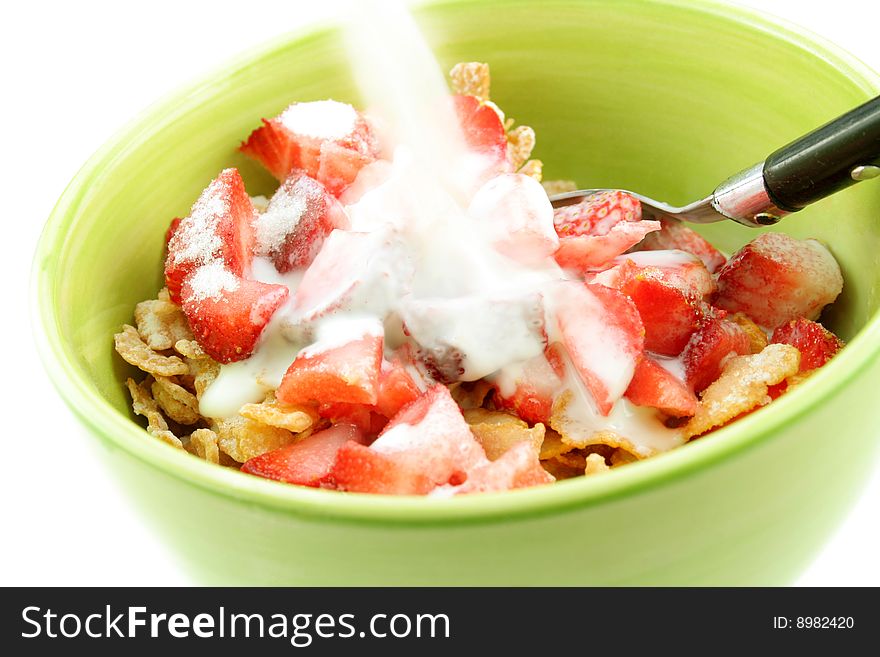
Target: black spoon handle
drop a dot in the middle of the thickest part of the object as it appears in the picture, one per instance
(832, 157)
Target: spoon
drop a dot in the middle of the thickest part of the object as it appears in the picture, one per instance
(828, 159)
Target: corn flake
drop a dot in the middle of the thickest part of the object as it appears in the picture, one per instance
(203, 443)
(497, 432)
(243, 439)
(520, 143)
(161, 324)
(554, 187)
(275, 414)
(757, 337)
(595, 463)
(136, 352)
(178, 403)
(552, 445)
(471, 78)
(742, 386)
(533, 169)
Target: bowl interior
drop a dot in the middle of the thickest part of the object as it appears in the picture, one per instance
(667, 98)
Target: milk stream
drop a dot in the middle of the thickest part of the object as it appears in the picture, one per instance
(418, 256)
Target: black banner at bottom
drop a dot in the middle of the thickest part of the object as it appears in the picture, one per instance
(431, 621)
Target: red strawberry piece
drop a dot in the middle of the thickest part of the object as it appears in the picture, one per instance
(430, 436)
(273, 146)
(817, 344)
(674, 234)
(300, 216)
(518, 467)
(519, 213)
(397, 388)
(669, 315)
(227, 314)
(599, 228)
(530, 393)
(653, 385)
(340, 166)
(360, 469)
(219, 227)
(483, 129)
(306, 462)
(172, 228)
(604, 336)
(709, 348)
(296, 139)
(334, 370)
(678, 268)
(776, 278)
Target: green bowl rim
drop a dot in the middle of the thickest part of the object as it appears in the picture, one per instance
(320, 505)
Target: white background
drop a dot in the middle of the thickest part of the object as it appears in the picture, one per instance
(72, 74)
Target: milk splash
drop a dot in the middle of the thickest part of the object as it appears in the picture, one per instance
(455, 291)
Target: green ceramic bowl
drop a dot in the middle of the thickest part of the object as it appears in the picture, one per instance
(666, 97)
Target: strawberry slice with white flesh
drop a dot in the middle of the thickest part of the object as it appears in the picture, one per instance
(342, 366)
(518, 467)
(519, 215)
(599, 228)
(218, 228)
(775, 279)
(430, 436)
(227, 314)
(300, 216)
(306, 462)
(327, 139)
(675, 235)
(604, 336)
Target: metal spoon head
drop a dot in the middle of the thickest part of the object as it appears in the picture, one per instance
(701, 212)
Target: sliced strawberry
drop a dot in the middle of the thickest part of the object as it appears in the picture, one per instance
(227, 314)
(306, 462)
(604, 336)
(516, 209)
(397, 388)
(669, 315)
(518, 467)
(337, 371)
(673, 234)
(678, 268)
(360, 469)
(483, 129)
(709, 348)
(219, 227)
(300, 216)
(274, 147)
(533, 386)
(172, 228)
(776, 278)
(340, 166)
(305, 134)
(430, 436)
(817, 344)
(599, 228)
(653, 385)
